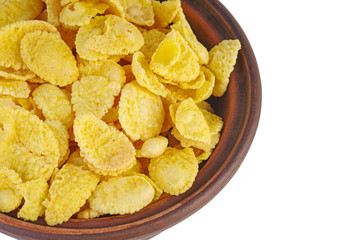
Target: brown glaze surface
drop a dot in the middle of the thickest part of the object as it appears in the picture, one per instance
(240, 108)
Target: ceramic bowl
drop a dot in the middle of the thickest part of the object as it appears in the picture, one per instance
(240, 109)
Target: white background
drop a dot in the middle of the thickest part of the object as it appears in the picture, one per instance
(301, 177)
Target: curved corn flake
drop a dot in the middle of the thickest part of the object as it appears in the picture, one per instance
(10, 198)
(19, 10)
(195, 84)
(116, 7)
(14, 88)
(28, 145)
(165, 12)
(80, 13)
(214, 122)
(54, 103)
(53, 10)
(174, 171)
(152, 39)
(175, 60)
(141, 113)
(70, 189)
(94, 28)
(185, 142)
(184, 28)
(34, 193)
(62, 135)
(153, 147)
(158, 191)
(122, 195)
(118, 37)
(222, 61)
(94, 94)
(106, 150)
(10, 37)
(191, 123)
(139, 11)
(198, 95)
(88, 213)
(41, 52)
(11, 74)
(145, 77)
(106, 68)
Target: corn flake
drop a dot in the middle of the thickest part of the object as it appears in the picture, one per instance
(53, 10)
(174, 171)
(141, 113)
(122, 195)
(175, 60)
(152, 39)
(62, 135)
(118, 37)
(165, 12)
(222, 61)
(41, 52)
(11, 74)
(10, 198)
(94, 94)
(14, 88)
(153, 147)
(10, 37)
(139, 11)
(54, 103)
(106, 150)
(19, 10)
(34, 193)
(80, 13)
(72, 184)
(145, 77)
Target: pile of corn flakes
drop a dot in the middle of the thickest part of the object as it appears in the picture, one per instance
(103, 105)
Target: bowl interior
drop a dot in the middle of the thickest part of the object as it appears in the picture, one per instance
(240, 109)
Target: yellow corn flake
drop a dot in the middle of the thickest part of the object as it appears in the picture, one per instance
(183, 27)
(191, 123)
(34, 193)
(112, 115)
(10, 37)
(62, 135)
(175, 60)
(15, 88)
(86, 32)
(198, 95)
(106, 150)
(158, 191)
(141, 113)
(88, 213)
(41, 52)
(54, 103)
(80, 13)
(118, 37)
(94, 94)
(138, 11)
(106, 68)
(116, 7)
(153, 147)
(185, 142)
(122, 195)
(19, 10)
(203, 156)
(195, 84)
(70, 189)
(174, 171)
(28, 145)
(68, 35)
(145, 77)
(214, 122)
(165, 12)
(152, 39)
(10, 198)
(76, 159)
(222, 61)
(53, 9)
(11, 74)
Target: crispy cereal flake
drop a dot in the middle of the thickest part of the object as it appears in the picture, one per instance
(10, 198)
